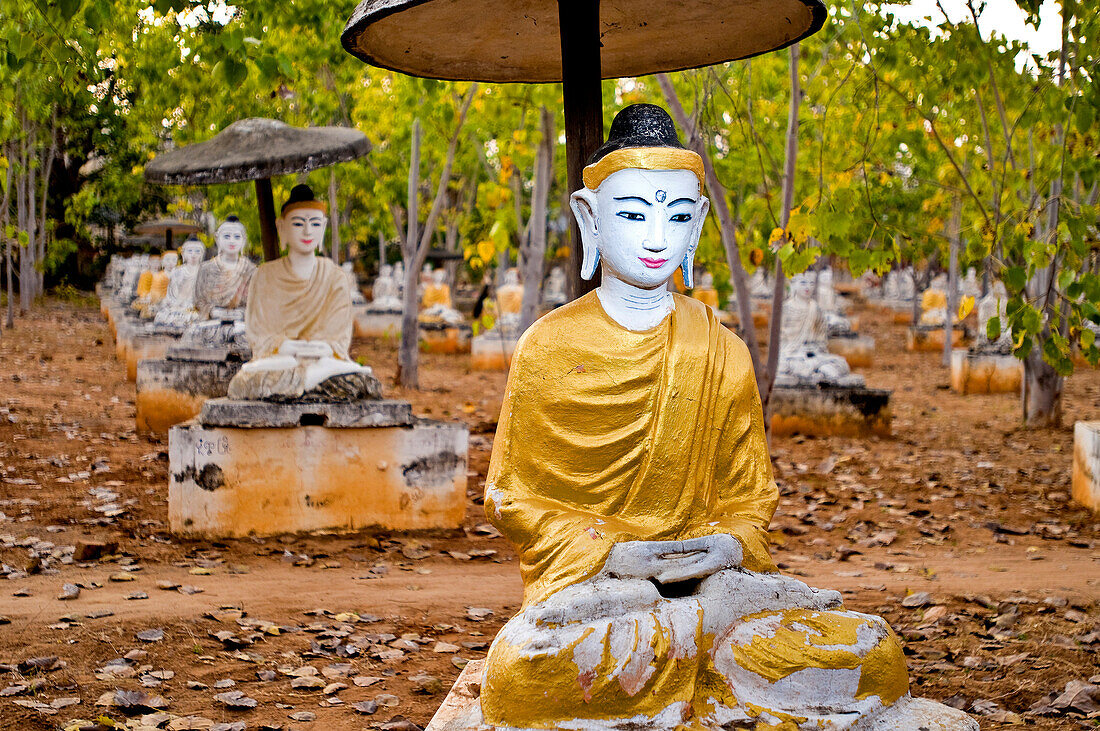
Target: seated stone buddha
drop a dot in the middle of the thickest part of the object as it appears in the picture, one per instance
(631, 472)
(299, 318)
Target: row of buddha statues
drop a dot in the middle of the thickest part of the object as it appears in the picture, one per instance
(630, 470)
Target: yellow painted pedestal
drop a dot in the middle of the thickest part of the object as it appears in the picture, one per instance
(985, 373)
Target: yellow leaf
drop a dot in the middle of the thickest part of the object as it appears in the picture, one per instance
(777, 235)
(966, 306)
(485, 249)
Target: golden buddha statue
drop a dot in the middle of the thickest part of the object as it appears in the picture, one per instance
(631, 472)
(435, 301)
(158, 281)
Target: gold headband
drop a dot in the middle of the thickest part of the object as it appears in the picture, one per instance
(315, 204)
(645, 158)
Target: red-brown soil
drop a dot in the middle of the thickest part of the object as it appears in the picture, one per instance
(961, 502)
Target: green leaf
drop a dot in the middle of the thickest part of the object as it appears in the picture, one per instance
(993, 328)
(68, 8)
(1014, 278)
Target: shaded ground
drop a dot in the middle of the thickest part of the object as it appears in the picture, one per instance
(961, 504)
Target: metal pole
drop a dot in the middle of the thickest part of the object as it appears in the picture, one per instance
(579, 24)
(265, 201)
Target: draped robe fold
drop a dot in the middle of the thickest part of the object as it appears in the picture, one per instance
(283, 307)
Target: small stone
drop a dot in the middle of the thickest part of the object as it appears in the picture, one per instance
(387, 700)
(68, 592)
(365, 707)
(235, 700)
(151, 635)
(121, 576)
(303, 716)
(918, 599)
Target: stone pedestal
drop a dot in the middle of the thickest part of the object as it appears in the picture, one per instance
(985, 372)
(461, 709)
(929, 338)
(259, 468)
(1086, 464)
(858, 350)
(440, 338)
(172, 390)
(492, 351)
(378, 324)
(830, 410)
(145, 346)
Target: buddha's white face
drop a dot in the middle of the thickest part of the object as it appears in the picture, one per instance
(168, 261)
(802, 286)
(193, 254)
(641, 224)
(231, 238)
(302, 230)
(437, 277)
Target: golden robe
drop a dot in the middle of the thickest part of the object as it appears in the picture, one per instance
(606, 436)
(145, 283)
(706, 296)
(283, 307)
(510, 299)
(159, 286)
(436, 294)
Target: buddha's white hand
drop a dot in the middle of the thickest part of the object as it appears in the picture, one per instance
(672, 561)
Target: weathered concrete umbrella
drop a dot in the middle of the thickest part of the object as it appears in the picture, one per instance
(574, 42)
(258, 149)
(167, 228)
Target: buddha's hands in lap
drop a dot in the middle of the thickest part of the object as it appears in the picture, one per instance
(672, 561)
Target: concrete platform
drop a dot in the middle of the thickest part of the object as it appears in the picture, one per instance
(927, 338)
(378, 324)
(985, 372)
(171, 391)
(234, 482)
(268, 414)
(858, 350)
(1086, 464)
(146, 346)
(826, 411)
(492, 352)
(448, 339)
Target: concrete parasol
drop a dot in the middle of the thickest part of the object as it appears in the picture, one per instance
(258, 149)
(167, 228)
(574, 42)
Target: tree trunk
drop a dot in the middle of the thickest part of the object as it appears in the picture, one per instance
(534, 251)
(407, 360)
(334, 220)
(415, 249)
(779, 292)
(952, 280)
(10, 319)
(47, 170)
(726, 226)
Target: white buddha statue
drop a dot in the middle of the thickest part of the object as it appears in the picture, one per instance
(554, 294)
(804, 357)
(436, 304)
(994, 304)
(299, 318)
(399, 277)
(357, 298)
(970, 286)
(830, 306)
(759, 285)
(177, 311)
(221, 289)
(384, 292)
(933, 303)
(631, 472)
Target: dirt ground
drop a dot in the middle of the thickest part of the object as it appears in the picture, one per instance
(369, 630)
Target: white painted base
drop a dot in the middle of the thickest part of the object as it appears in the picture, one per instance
(378, 324)
(490, 352)
(231, 482)
(1086, 464)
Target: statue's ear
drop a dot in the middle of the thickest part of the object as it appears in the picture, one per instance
(583, 203)
(687, 267)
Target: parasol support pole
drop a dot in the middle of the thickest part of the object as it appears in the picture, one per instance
(579, 26)
(168, 240)
(266, 203)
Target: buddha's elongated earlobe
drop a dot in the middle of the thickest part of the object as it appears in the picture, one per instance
(583, 204)
(687, 268)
